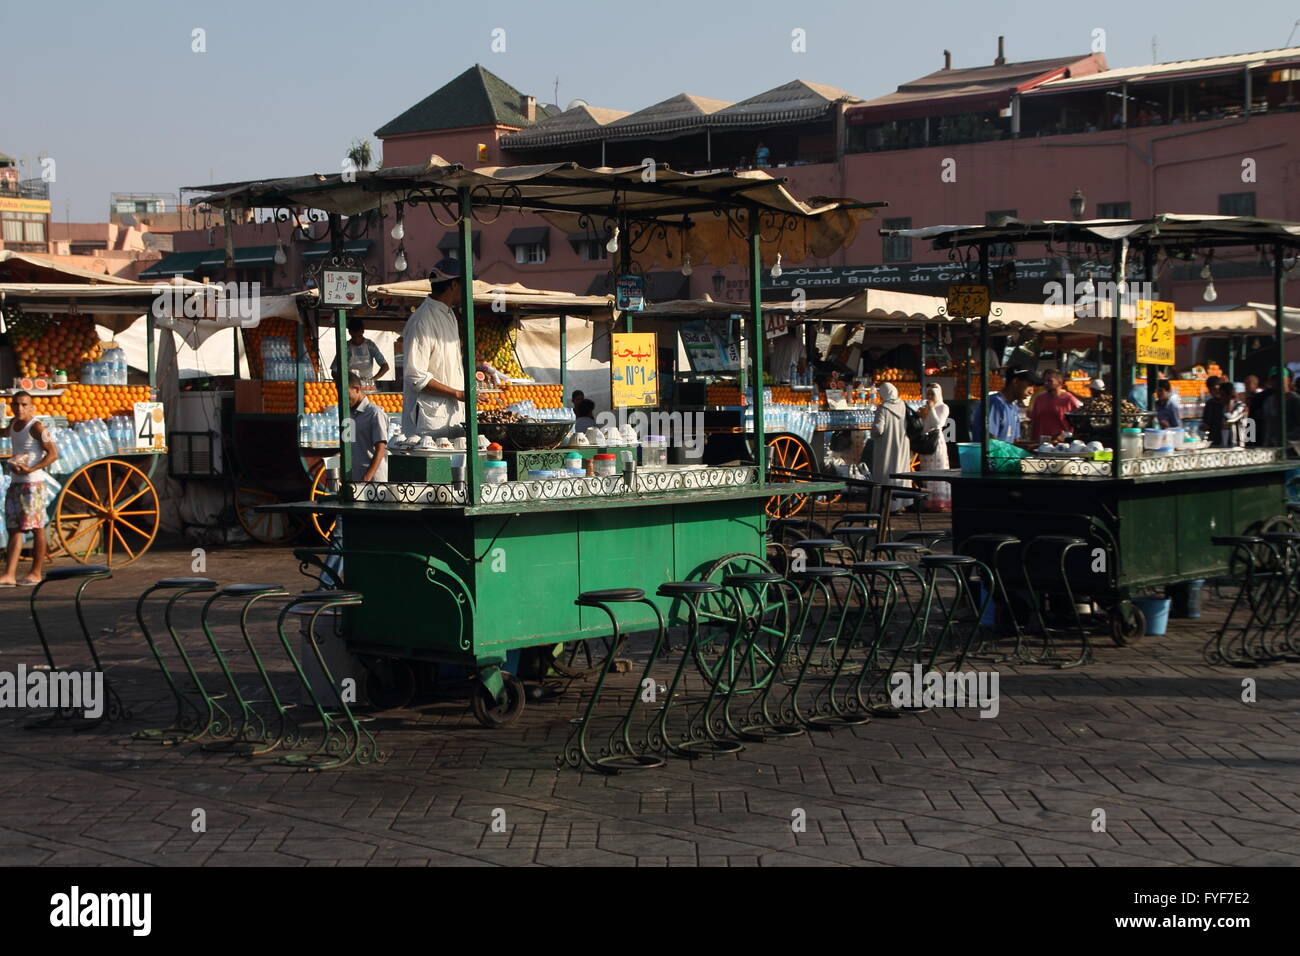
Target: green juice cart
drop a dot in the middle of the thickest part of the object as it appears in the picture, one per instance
(465, 572)
(1153, 516)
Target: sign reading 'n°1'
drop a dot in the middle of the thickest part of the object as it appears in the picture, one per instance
(1154, 330)
(633, 369)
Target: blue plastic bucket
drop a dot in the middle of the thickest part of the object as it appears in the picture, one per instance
(1156, 611)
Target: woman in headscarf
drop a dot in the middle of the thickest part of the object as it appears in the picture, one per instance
(891, 453)
(935, 417)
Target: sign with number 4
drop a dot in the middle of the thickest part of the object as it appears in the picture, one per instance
(150, 429)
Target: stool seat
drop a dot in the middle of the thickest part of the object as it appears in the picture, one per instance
(610, 595)
(244, 590)
(1064, 540)
(992, 537)
(1293, 506)
(863, 515)
(1228, 539)
(817, 543)
(315, 597)
(810, 573)
(863, 567)
(1282, 536)
(752, 577)
(677, 588)
(853, 529)
(946, 560)
(909, 546)
(910, 493)
(207, 583)
(78, 571)
(926, 536)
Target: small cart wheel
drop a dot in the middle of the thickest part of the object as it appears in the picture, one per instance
(1128, 625)
(261, 526)
(491, 714)
(109, 507)
(388, 683)
(793, 459)
(324, 486)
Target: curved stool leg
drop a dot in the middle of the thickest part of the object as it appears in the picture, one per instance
(627, 754)
(576, 753)
(761, 723)
(334, 739)
(190, 718)
(239, 737)
(663, 735)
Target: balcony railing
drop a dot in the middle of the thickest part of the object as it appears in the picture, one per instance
(25, 188)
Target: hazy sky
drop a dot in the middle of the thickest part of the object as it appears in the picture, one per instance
(115, 94)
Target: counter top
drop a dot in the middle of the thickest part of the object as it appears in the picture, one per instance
(956, 476)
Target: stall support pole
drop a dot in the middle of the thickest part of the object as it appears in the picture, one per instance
(298, 367)
(1148, 274)
(755, 324)
(984, 366)
(1116, 398)
(473, 467)
(345, 419)
(1279, 316)
(152, 358)
(564, 359)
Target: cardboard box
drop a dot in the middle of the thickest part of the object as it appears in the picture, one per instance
(248, 397)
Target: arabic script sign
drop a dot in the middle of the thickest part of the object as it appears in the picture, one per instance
(1154, 330)
(968, 301)
(633, 369)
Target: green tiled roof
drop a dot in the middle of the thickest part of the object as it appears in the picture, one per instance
(475, 98)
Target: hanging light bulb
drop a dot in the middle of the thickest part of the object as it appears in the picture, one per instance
(399, 230)
(776, 267)
(687, 268)
(1210, 293)
(280, 257)
(1205, 271)
(1086, 287)
(612, 245)
(400, 262)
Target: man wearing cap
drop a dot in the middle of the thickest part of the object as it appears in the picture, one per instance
(1004, 406)
(1096, 388)
(433, 396)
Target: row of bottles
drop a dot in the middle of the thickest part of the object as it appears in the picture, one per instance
(280, 364)
(319, 428)
(111, 369)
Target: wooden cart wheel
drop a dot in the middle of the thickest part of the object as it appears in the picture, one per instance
(790, 454)
(491, 714)
(324, 486)
(266, 527)
(387, 683)
(713, 653)
(108, 508)
(1128, 625)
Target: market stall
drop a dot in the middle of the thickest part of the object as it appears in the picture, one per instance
(455, 568)
(1148, 503)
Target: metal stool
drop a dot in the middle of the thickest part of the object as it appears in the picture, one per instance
(114, 709)
(957, 567)
(703, 734)
(250, 736)
(620, 754)
(750, 592)
(341, 743)
(987, 549)
(1063, 544)
(1286, 607)
(874, 575)
(1257, 586)
(927, 538)
(821, 547)
(856, 537)
(191, 720)
(826, 710)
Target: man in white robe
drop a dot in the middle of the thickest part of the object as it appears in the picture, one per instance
(433, 384)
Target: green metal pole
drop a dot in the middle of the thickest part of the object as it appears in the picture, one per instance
(756, 336)
(473, 467)
(564, 358)
(625, 257)
(984, 367)
(341, 349)
(152, 357)
(1116, 399)
(298, 367)
(1279, 315)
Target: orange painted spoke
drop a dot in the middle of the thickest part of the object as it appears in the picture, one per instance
(84, 529)
(112, 492)
(151, 511)
(75, 517)
(87, 475)
(93, 504)
(143, 490)
(86, 553)
(143, 534)
(125, 546)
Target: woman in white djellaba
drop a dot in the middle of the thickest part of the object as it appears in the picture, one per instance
(891, 453)
(935, 416)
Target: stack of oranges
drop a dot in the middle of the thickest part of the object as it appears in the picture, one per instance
(43, 344)
(80, 403)
(390, 402)
(542, 396)
(273, 328)
(279, 398)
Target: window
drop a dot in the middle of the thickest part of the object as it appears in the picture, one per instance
(898, 248)
(530, 253)
(1237, 204)
(1114, 210)
(592, 250)
(13, 230)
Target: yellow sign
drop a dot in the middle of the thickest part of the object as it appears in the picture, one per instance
(10, 204)
(633, 369)
(968, 301)
(1155, 332)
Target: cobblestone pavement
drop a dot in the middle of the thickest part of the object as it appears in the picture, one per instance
(1186, 773)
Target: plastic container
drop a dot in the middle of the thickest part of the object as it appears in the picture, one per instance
(573, 466)
(1155, 439)
(538, 474)
(494, 472)
(606, 465)
(1130, 442)
(1185, 598)
(1156, 611)
(493, 452)
(654, 453)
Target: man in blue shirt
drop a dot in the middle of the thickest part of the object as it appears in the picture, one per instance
(1167, 406)
(1004, 407)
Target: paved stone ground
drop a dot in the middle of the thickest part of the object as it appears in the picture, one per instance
(1186, 773)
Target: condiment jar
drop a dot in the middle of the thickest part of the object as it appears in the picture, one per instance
(606, 465)
(494, 472)
(493, 452)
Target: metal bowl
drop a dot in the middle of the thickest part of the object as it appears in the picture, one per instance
(525, 436)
